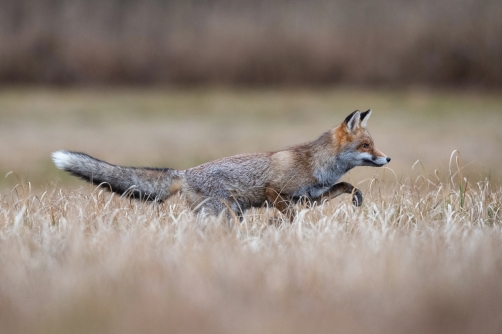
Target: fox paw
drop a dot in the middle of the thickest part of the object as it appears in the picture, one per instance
(357, 198)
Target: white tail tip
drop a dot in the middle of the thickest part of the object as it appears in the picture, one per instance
(61, 159)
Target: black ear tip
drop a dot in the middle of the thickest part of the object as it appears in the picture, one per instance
(347, 119)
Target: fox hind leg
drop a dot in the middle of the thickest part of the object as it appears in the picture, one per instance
(281, 203)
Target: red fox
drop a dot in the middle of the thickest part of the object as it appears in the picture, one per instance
(306, 172)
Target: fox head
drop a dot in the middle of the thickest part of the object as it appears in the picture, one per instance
(355, 143)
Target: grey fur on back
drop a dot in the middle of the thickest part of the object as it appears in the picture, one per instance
(237, 182)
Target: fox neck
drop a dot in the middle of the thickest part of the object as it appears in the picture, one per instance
(329, 167)
(331, 170)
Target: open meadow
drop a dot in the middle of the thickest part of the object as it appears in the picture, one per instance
(422, 255)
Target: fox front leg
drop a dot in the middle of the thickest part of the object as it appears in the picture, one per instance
(342, 188)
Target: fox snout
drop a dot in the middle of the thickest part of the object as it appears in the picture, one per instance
(379, 161)
(376, 158)
(368, 159)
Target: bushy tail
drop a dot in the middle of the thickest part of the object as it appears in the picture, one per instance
(149, 184)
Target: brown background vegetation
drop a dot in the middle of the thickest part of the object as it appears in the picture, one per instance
(390, 42)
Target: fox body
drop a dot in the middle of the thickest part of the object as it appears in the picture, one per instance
(307, 172)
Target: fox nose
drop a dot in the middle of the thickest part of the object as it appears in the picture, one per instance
(388, 159)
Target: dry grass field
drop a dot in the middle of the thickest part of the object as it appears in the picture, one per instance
(422, 255)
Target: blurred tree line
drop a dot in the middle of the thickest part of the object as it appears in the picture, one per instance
(316, 42)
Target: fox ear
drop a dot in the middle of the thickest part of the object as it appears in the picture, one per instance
(364, 118)
(352, 121)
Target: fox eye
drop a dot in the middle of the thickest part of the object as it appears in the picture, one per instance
(366, 145)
